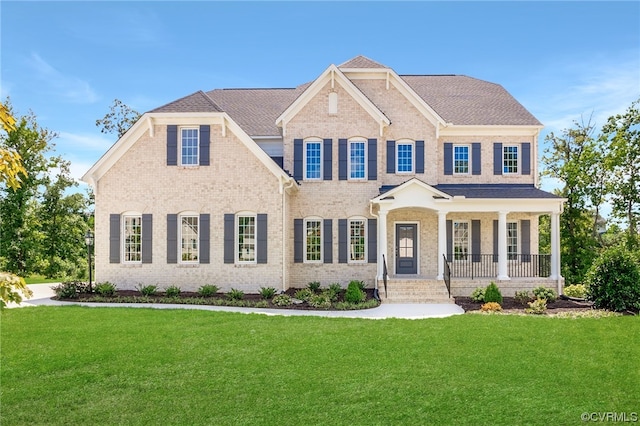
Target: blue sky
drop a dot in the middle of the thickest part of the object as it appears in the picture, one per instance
(67, 61)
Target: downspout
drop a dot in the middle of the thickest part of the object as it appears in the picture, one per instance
(376, 292)
(283, 191)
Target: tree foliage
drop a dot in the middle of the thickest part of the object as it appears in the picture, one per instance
(119, 119)
(10, 162)
(12, 289)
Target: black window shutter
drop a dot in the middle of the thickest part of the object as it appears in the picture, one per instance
(448, 158)
(495, 240)
(419, 156)
(172, 145)
(343, 240)
(298, 146)
(526, 158)
(205, 144)
(475, 241)
(327, 145)
(204, 229)
(262, 233)
(342, 159)
(372, 243)
(147, 238)
(497, 158)
(172, 238)
(372, 159)
(525, 240)
(449, 240)
(476, 158)
(327, 240)
(114, 238)
(298, 240)
(229, 238)
(391, 156)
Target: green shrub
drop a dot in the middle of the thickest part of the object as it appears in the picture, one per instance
(613, 281)
(319, 301)
(261, 304)
(335, 288)
(576, 290)
(303, 294)
(346, 306)
(70, 289)
(360, 284)
(282, 300)
(172, 291)
(492, 293)
(523, 297)
(545, 293)
(267, 292)
(207, 290)
(235, 295)
(537, 307)
(477, 295)
(354, 293)
(148, 290)
(105, 289)
(314, 286)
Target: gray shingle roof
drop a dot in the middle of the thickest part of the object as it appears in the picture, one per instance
(361, 62)
(509, 191)
(196, 102)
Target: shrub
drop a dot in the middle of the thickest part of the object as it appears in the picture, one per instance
(354, 294)
(172, 291)
(346, 306)
(148, 290)
(12, 289)
(282, 300)
(492, 293)
(261, 304)
(576, 290)
(545, 293)
(320, 301)
(208, 290)
(491, 307)
(267, 292)
(314, 286)
(537, 307)
(613, 281)
(335, 288)
(105, 289)
(477, 295)
(235, 295)
(303, 294)
(523, 297)
(70, 289)
(360, 284)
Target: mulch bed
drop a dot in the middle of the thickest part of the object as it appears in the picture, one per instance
(509, 304)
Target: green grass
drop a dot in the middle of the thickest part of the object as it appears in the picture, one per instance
(40, 279)
(78, 365)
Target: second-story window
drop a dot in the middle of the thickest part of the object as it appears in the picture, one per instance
(313, 160)
(461, 159)
(357, 159)
(404, 157)
(510, 159)
(189, 146)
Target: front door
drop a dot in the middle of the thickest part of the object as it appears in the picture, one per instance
(406, 248)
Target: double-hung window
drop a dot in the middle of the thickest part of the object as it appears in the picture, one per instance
(132, 240)
(189, 146)
(246, 242)
(509, 159)
(189, 239)
(460, 240)
(313, 240)
(357, 159)
(512, 240)
(357, 240)
(461, 159)
(313, 160)
(404, 157)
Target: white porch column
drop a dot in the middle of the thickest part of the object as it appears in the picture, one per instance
(555, 247)
(442, 242)
(503, 271)
(382, 242)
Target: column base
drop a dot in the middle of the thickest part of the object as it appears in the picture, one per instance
(503, 278)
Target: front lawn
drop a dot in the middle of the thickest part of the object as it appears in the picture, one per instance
(78, 365)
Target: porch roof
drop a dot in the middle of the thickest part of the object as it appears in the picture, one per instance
(492, 191)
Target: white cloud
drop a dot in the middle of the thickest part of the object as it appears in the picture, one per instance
(87, 141)
(69, 87)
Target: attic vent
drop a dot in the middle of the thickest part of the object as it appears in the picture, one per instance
(333, 102)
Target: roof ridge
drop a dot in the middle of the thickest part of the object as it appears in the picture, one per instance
(211, 101)
(355, 63)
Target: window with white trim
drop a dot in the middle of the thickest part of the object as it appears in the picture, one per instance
(189, 239)
(512, 240)
(357, 240)
(189, 146)
(357, 159)
(461, 159)
(132, 232)
(460, 240)
(404, 157)
(509, 159)
(313, 160)
(246, 238)
(313, 240)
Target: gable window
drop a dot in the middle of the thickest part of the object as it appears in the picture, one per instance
(357, 240)
(189, 239)
(461, 159)
(357, 159)
(512, 240)
(132, 240)
(460, 240)
(313, 160)
(404, 157)
(246, 241)
(313, 240)
(189, 146)
(510, 159)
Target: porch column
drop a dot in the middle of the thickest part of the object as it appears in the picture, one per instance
(503, 271)
(442, 242)
(382, 242)
(555, 247)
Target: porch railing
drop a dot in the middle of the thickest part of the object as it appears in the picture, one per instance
(486, 265)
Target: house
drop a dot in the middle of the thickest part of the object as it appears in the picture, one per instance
(423, 186)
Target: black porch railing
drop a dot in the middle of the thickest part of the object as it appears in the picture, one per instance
(486, 265)
(447, 275)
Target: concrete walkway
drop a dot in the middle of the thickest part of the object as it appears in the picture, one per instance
(42, 294)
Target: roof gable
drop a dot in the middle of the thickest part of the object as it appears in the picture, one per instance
(361, 62)
(195, 102)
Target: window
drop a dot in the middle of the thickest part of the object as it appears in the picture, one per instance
(512, 240)
(313, 240)
(357, 240)
(189, 238)
(189, 146)
(460, 240)
(357, 159)
(404, 157)
(313, 160)
(132, 239)
(509, 159)
(461, 159)
(246, 239)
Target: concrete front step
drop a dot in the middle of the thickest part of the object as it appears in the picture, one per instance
(415, 291)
